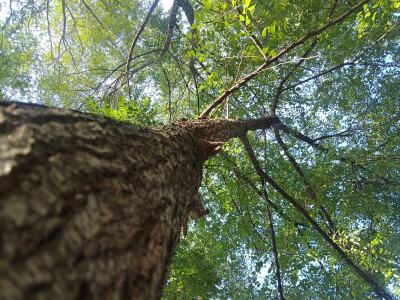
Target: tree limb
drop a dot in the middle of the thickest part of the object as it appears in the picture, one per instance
(377, 288)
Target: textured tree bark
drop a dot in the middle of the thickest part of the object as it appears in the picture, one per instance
(91, 208)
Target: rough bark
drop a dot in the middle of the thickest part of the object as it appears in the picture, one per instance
(91, 208)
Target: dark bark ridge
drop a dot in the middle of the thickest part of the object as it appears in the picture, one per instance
(91, 208)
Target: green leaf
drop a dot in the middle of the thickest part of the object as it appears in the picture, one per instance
(272, 53)
(207, 3)
(264, 32)
(272, 28)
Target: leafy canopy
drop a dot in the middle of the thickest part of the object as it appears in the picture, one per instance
(317, 196)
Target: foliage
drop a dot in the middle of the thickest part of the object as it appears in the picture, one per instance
(328, 71)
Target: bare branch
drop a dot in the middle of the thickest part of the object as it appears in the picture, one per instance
(271, 226)
(64, 20)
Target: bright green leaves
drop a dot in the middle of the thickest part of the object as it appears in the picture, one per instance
(247, 14)
(207, 3)
(275, 30)
(245, 19)
(122, 110)
(264, 32)
(374, 16)
(272, 53)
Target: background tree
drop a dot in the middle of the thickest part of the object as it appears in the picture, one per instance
(317, 195)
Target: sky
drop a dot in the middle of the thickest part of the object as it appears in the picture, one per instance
(4, 5)
(166, 4)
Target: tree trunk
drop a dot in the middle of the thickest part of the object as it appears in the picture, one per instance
(91, 208)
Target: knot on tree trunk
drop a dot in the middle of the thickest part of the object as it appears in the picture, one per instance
(207, 149)
(196, 211)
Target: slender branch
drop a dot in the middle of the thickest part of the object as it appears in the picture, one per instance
(240, 212)
(279, 91)
(274, 248)
(271, 222)
(92, 13)
(265, 65)
(48, 29)
(345, 133)
(352, 62)
(331, 226)
(136, 38)
(180, 71)
(243, 177)
(64, 22)
(251, 35)
(169, 94)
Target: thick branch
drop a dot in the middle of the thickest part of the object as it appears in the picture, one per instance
(221, 130)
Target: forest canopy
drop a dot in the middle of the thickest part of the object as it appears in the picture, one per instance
(306, 210)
